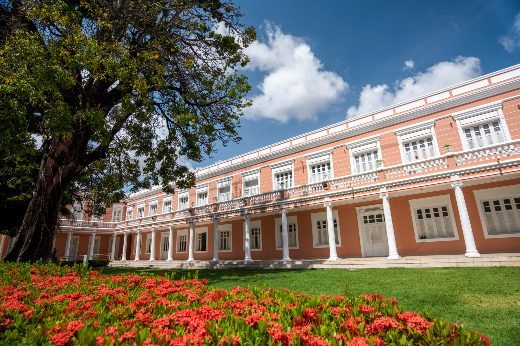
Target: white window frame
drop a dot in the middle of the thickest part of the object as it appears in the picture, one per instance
(252, 224)
(364, 146)
(129, 212)
(225, 228)
(293, 219)
(148, 244)
(223, 183)
(318, 158)
(140, 244)
(180, 233)
(510, 191)
(415, 133)
(430, 202)
(250, 176)
(140, 207)
(184, 194)
(77, 211)
(202, 189)
(361, 212)
(166, 200)
(151, 203)
(319, 217)
(485, 114)
(196, 239)
(283, 167)
(117, 208)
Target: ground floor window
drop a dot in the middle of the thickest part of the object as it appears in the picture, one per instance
(292, 234)
(201, 244)
(322, 234)
(434, 222)
(224, 240)
(502, 215)
(182, 242)
(255, 240)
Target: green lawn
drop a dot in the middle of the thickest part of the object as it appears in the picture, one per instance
(485, 299)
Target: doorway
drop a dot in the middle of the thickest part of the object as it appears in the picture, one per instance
(372, 231)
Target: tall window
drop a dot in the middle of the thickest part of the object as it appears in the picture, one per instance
(224, 194)
(148, 244)
(201, 241)
(285, 178)
(140, 212)
(434, 222)
(225, 240)
(292, 234)
(153, 209)
(418, 149)
(366, 161)
(251, 188)
(117, 215)
(181, 246)
(183, 202)
(320, 172)
(255, 239)
(166, 243)
(322, 235)
(502, 215)
(129, 213)
(484, 134)
(167, 208)
(202, 199)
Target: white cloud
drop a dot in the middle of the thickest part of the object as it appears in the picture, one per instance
(408, 65)
(296, 86)
(512, 41)
(437, 77)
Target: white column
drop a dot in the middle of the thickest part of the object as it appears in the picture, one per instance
(113, 249)
(215, 239)
(91, 248)
(392, 246)
(152, 247)
(330, 229)
(247, 242)
(170, 245)
(471, 248)
(67, 246)
(137, 245)
(192, 242)
(285, 236)
(125, 239)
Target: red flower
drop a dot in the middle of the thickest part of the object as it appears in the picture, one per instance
(60, 339)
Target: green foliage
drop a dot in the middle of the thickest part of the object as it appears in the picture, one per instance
(92, 263)
(120, 93)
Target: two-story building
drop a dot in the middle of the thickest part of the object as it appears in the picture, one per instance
(438, 174)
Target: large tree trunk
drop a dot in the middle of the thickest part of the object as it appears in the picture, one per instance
(35, 238)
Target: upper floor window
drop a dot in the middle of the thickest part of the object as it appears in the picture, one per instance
(202, 194)
(153, 209)
(116, 214)
(482, 126)
(202, 199)
(251, 182)
(283, 174)
(483, 134)
(167, 206)
(365, 154)
(418, 142)
(224, 189)
(140, 212)
(77, 211)
(129, 213)
(283, 180)
(183, 202)
(320, 166)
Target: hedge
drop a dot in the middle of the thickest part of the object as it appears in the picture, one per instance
(92, 263)
(58, 305)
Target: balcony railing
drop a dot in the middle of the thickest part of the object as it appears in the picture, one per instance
(443, 163)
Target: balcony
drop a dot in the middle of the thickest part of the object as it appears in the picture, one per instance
(485, 158)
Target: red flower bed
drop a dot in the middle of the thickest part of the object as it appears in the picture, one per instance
(51, 305)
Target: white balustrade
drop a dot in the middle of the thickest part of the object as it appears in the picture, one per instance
(423, 166)
(232, 204)
(488, 153)
(265, 197)
(305, 190)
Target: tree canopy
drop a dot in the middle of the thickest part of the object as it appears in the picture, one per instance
(119, 93)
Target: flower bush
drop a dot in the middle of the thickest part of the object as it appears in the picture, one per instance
(53, 305)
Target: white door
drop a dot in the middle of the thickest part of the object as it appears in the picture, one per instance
(165, 244)
(373, 231)
(73, 248)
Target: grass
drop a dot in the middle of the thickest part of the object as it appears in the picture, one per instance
(483, 299)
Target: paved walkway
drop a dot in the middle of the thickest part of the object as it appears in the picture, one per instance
(430, 261)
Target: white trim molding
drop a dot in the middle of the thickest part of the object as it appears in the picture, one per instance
(365, 145)
(291, 220)
(417, 132)
(252, 224)
(197, 232)
(225, 228)
(282, 167)
(322, 216)
(250, 176)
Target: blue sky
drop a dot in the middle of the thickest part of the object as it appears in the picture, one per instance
(317, 63)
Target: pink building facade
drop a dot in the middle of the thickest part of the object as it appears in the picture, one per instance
(438, 174)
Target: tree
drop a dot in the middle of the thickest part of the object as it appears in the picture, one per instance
(119, 92)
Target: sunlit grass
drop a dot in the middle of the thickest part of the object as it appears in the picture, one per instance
(483, 299)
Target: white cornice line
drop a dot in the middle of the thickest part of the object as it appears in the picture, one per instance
(392, 120)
